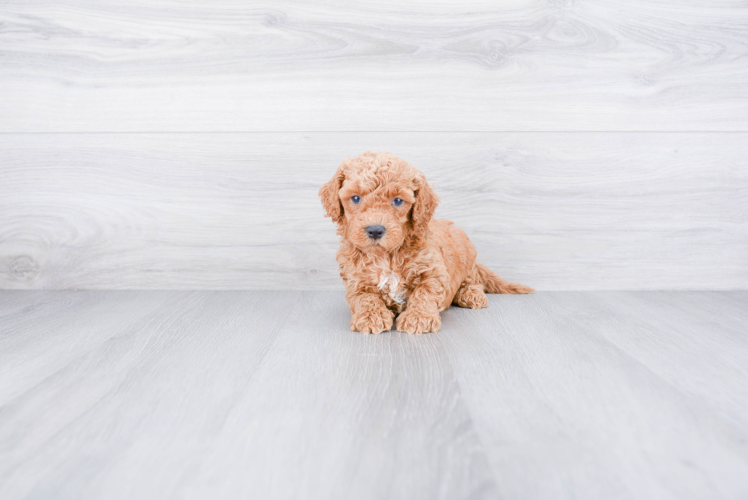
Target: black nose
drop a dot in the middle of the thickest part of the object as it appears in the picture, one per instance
(375, 232)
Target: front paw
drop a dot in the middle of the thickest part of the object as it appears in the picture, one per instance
(374, 319)
(419, 321)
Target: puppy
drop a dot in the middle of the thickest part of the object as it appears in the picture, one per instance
(394, 259)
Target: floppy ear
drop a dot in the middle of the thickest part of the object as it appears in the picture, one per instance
(329, 194)
(424, 206)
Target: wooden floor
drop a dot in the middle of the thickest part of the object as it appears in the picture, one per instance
(108, 395)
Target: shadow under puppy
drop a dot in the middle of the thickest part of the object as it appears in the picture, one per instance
(394, 258)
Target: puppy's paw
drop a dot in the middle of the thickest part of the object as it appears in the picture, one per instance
(373, 319)
(412, 321)
(471, 297)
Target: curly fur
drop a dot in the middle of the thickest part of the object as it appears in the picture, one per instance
(419, 267)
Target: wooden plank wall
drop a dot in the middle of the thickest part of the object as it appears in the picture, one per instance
(164, 144)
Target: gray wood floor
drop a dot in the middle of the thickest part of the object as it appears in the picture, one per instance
(268, 395)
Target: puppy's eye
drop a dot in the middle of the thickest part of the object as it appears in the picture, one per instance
(397, 202)
(356, 199)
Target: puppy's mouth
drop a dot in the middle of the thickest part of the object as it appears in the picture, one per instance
(375, 239)
(376, 236)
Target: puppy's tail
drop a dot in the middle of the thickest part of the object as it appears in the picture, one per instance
(493, 284)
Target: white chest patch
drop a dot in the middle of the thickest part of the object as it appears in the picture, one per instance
(390, 282)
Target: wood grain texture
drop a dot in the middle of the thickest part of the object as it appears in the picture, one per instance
(268, 395)
(212, 396)
(229, 65)
(606, 395)
(240, 211)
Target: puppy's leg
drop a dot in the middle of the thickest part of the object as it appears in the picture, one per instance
(422, 313)
(471, 295)
(369, 314)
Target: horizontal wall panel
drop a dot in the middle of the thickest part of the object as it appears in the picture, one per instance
(240, 210)
(230, 65)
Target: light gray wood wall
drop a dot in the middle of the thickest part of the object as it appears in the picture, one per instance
(165, 144)
(233, 65)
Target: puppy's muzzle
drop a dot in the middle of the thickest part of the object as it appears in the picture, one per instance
(375, 232)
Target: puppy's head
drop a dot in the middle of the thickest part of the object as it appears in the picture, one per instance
(379, 201)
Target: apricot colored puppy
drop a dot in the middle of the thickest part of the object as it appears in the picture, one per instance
(396, 260)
